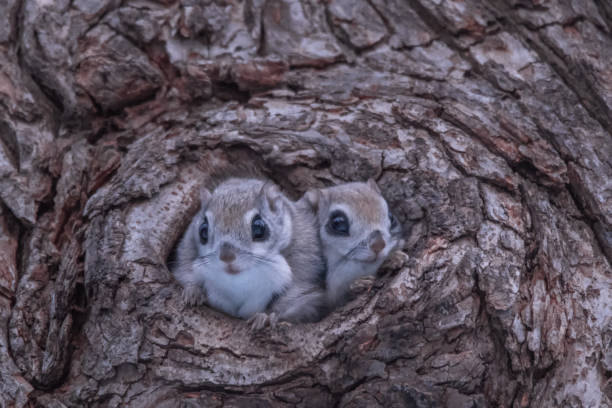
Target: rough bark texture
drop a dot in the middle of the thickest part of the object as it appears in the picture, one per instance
(487, 124)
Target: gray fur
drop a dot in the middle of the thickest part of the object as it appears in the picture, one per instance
(304, 300)
(351, 257)
(293, 242)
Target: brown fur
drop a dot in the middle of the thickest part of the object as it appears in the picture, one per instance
(361, 197)
(303, 299)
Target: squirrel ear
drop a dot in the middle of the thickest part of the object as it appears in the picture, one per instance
(269, 197)
(312, 198)
(204, 196)
(315, 199)
(372, 183)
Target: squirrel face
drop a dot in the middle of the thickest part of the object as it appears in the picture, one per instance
(357, 232)
(237, 239)
(241, 225)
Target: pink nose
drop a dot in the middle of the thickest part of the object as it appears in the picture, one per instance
(227, 253)
(377, 242)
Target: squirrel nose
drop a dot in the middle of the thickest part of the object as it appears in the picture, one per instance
(377, 242)
(227, 253)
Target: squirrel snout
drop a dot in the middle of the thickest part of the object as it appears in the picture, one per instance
(377, 242)
(227, 253)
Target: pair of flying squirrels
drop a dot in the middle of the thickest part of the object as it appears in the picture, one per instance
(253, 253)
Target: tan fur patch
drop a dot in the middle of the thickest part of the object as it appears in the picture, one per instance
(361, 199)
(230, 201)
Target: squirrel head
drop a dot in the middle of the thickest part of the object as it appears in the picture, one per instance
(242, 224)
(355, 223)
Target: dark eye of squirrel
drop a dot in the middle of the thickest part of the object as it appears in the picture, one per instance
(394, 221)
(259, 229)
(204, 231)
(338, 223)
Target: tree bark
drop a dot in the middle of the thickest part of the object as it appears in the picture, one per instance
(487, 125)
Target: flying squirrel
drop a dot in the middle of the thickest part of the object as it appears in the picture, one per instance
(253, 253)
(357, 232)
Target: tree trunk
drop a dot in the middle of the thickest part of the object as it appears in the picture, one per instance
(487, 124)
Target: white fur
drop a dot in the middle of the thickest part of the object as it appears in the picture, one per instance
(286, 263)
(344, 274)
(349, 257)
(344, 270)
(247, 292)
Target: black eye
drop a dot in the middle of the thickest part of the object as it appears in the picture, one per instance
(394, 221)
(204, 231)
(338, 223)
(259, 229)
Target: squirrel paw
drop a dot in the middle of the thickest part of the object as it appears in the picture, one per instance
(193, 295)
(361, 285)
(260, 320)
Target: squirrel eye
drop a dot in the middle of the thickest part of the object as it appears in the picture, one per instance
(394, 221)
(338, 223)
(204, 231)
(259, 229)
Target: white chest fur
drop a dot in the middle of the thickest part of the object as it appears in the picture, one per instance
(247, 292)
(340, 277)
